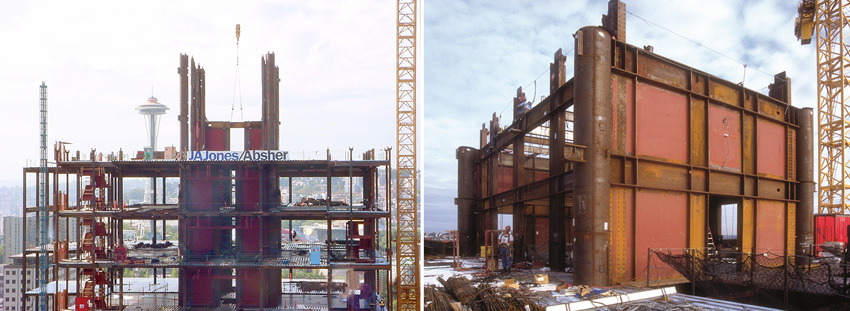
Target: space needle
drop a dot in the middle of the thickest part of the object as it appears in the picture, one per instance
(152, 110)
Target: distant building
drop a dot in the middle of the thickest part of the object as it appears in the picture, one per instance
(13, 281)
(13, 233)
(3, 288)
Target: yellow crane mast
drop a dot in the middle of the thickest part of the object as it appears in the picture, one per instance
(407, 222)
(827, 22)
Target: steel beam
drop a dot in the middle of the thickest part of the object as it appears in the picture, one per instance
(560, 98)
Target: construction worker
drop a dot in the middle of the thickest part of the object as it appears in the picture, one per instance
(381, 305)
(506, 241)
(524, 105)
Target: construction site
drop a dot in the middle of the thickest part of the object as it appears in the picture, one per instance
(234, 236)
(621, 179)
(230, 214)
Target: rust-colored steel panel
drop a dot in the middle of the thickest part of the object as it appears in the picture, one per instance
(249, 287)
(662, 123)
(201, 197)
(617, 170)
(791, 226)
(699, 83)
(724, 137)
(256, 139)
(484, 172)
(698, 139)
(216, 139)
(746, 225)
(629, 174)
(201, 235)
(249, 189)
(770, 227)
(662, 71)
(661, 221)
(768, 107)
(696, 220)
(660, 175)
(698, 182)
(749, 138)
(506, 182)
(771, 148)
(202, 288)
(630, 117)
(772, 189)
(622, 227)
(750, 100)
(540, 175)
(249, 234)
(541, 233)
(624, 114)
(725, 92)
(724, 183)
(749, 186)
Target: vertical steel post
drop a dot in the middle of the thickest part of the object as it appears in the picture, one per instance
(21, 288)
(183, 118)
(805, 173)
(557, 166)
(467, 222)
(517, 179)
(593, 115)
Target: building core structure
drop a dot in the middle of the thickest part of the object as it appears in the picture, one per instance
(635, 153)
(234, 216)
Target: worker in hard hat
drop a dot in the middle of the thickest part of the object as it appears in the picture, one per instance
(506, 241)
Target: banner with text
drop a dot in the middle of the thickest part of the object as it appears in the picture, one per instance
(247, 155)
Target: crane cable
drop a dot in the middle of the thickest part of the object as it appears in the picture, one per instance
(237, 83)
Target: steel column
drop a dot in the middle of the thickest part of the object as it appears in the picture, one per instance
(517, 179)
(805, 174)
(467, 222)
(183, 118)
(557, 166)
(593, 113)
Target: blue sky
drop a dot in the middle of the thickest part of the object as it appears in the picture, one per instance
(101, 59)
(478, 52)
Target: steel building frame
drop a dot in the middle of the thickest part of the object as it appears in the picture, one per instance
(656, 148)
(229, 213)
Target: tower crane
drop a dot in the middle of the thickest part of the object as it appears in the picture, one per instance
(407, 220)
(826, 21)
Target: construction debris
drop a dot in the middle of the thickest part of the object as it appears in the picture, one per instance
(141, 245)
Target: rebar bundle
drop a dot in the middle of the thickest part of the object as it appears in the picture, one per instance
(439, 301)
(536, 301)
(487, 300)
(460, 288)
